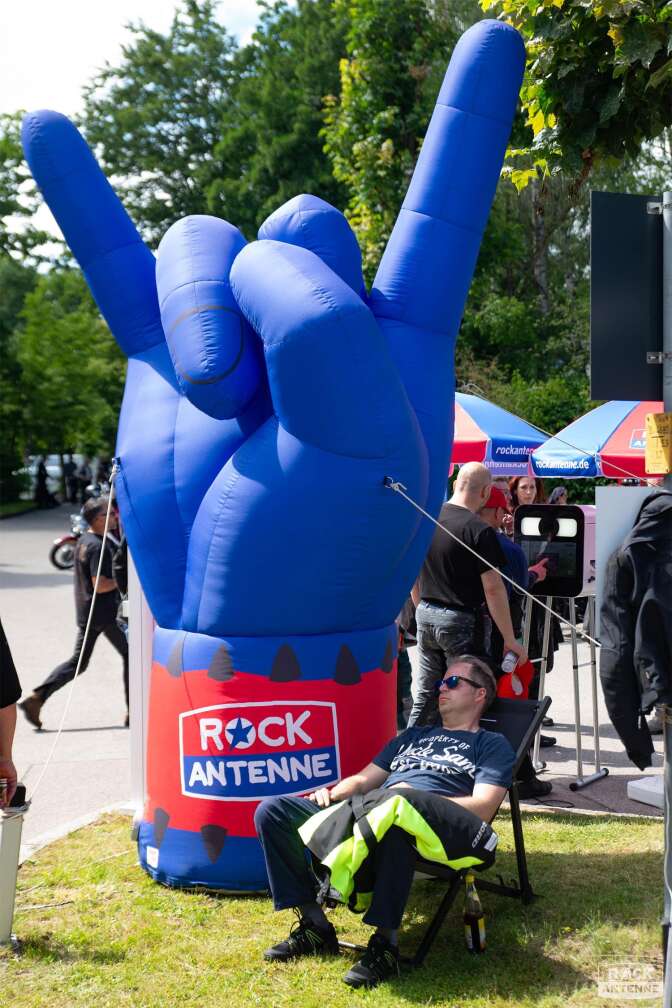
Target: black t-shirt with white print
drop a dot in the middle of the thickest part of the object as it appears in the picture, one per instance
(445, 761)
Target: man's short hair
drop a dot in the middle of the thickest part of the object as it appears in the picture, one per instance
(481, 672)
(93, 507)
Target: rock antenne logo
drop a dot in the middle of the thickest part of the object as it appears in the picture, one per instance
(250, 751)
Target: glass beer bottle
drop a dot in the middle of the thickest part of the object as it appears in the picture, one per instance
(474, 918)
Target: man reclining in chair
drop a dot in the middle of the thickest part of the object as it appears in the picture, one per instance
(441, 784)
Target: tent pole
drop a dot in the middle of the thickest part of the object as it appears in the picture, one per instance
(536, 762)
(667, 483)
(599, 771)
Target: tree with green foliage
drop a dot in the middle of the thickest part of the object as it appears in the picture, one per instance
(189, 123)
(16, 281)
(396, 56)
(72, 370)
(333, 97)
(155, 119)
(597, 81)
(18, 196)
(271, 147)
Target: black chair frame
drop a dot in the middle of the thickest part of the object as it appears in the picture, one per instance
(518, 721)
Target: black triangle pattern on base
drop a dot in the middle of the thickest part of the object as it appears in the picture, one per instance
(175, 666)
(221, 666)
(387, 663)
(213, 838)
(347, 670)
(161, 819)
(286, 666)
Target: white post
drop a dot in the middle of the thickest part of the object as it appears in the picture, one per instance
(140, 638)
(11, 824)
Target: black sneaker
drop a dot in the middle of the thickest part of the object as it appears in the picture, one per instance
(534, 788)
(31, 707)
(380, 961)
(305, 938)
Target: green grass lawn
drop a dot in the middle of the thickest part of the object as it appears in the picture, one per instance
(10, 508)
(96, 931)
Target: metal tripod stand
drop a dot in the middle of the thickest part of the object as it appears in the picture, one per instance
(599, 771)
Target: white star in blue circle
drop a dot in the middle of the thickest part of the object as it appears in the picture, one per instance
(238, 733)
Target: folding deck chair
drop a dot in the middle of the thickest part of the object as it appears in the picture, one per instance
(518, 721)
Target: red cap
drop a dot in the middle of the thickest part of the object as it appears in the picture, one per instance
(496, 499)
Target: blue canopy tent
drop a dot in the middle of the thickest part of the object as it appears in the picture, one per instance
(489, 434)
(608, 441)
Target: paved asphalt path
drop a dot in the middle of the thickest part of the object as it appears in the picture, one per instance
(90, 767)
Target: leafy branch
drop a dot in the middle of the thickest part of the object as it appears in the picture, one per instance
(597, 82)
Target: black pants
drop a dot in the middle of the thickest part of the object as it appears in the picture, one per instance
(63, 673)
(292, 881)
(404, 677)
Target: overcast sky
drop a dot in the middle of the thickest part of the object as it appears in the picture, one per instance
(50, 48)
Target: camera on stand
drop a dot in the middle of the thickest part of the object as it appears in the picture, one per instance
(564, 536)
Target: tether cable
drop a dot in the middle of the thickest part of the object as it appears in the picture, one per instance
(59, 732)
(399, 488)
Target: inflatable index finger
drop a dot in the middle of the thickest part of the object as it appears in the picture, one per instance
(118, 266)
(426, 269)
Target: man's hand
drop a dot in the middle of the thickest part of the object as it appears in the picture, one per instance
(321, 797)
(258, 375)
(539, 569)
(8, 771)
(372, 776)
(518, 649)
(258, 372)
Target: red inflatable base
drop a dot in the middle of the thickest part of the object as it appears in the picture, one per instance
(216, 749)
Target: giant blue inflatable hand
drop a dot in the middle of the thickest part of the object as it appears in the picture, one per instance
(267, 398)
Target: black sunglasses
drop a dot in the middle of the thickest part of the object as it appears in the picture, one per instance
(453, 681)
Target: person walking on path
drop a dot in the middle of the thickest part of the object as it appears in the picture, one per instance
(70, 478)
(105, 600)
(84, 477)
(43, 497)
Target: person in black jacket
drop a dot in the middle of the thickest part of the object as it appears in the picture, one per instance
(636, 626)
(102, 595)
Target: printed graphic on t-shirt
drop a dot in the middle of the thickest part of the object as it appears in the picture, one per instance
(446, 761)
(442, 753)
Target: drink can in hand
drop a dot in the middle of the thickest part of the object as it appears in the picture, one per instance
(510, 661)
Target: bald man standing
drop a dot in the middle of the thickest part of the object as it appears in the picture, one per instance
(453, 585)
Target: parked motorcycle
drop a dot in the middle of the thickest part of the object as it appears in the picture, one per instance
(62, 553)
(96, 489)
